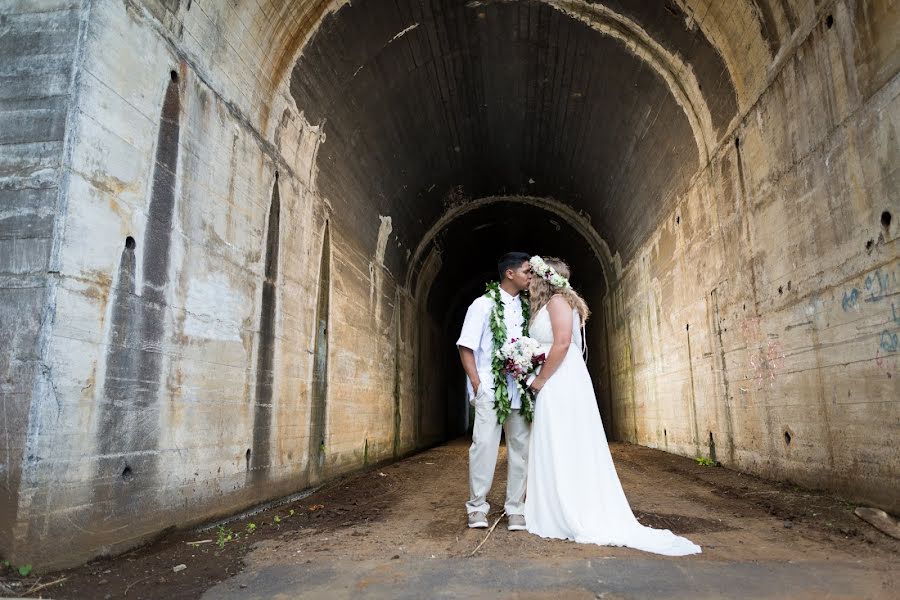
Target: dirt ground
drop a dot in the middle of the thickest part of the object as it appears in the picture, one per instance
(413, 510)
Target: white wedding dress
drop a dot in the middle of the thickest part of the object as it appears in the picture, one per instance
(574, 492)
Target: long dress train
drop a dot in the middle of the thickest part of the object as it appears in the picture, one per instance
(574, 491)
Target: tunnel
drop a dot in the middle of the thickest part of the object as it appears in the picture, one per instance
(240, 239)
(450, 104)
(469, 245)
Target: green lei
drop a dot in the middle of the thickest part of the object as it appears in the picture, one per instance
(498, 331)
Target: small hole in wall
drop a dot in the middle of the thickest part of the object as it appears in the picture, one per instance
(743, 307)
(276, 175)
(869, 245)
(780, 290)
(247, 456)
(678, 220)
(737, 142)
(130, 243)
(189, 5)
(687, 327)
(789, 286)
(127, 475)
(886, 219)
(174, 75)
(787, 437)
(829, 21)
(665, 433)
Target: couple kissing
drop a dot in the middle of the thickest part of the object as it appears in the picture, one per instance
(526, 375)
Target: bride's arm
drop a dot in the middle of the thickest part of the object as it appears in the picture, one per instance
(561, 322)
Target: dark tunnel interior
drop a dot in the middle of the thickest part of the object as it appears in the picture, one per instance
(469, 247)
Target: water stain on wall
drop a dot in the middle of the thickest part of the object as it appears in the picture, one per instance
(262, 409)
(129, 416)
(319, 406)
(397, 375)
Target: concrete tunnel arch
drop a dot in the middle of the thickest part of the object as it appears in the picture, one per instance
(398, 123)
(395, 141)
(457, 260)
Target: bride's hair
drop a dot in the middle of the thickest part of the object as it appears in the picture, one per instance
(540, 291)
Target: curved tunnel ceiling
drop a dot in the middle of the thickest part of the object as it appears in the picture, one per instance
(426, 105)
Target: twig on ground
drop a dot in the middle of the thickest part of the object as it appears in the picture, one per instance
(198, 542)
(490, 531)
(36, 587)
(129, 586)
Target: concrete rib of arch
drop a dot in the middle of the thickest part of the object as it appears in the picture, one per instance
(611, 264)
(677, 74)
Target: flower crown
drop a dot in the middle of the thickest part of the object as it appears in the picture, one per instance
(547, 273)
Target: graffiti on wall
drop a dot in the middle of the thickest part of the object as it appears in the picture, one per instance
(878, 290)
(765, 357)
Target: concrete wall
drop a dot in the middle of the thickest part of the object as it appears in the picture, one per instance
(39, 43)
(182, 331)
(759, 322)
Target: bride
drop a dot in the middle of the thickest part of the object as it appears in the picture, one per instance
(574, 492)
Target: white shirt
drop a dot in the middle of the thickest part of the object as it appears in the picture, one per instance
(476, 335)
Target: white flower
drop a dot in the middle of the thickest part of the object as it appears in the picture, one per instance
(548, 273)
(518, 356)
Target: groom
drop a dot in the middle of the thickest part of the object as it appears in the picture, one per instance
(476, 348)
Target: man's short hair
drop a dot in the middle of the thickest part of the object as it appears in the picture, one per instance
(511, 260)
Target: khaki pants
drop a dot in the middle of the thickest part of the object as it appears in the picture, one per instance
(483, 455)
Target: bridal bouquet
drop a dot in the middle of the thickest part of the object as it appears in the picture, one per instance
(521, 356)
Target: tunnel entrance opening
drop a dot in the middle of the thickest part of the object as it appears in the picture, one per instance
(460, 259)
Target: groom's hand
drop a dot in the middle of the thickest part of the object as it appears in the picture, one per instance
(476, 392)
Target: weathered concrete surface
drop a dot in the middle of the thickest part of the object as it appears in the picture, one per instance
(759, 321)
(155, 416)
(177, 340)
(39, 43)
